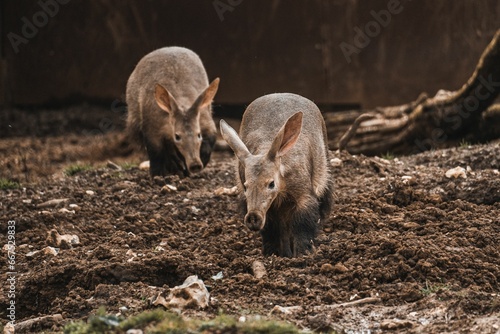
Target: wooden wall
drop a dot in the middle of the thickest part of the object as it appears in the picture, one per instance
(85, 50)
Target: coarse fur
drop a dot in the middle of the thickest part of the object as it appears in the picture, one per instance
(282, 143)
(168, 93)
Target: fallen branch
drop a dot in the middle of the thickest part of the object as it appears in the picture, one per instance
(27, 325)
(427, 122)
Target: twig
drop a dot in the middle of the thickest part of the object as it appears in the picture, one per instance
(353, 128)
(369, 300)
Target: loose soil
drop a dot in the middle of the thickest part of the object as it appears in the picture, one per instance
(422, 247)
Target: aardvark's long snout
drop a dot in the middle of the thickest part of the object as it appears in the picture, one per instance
(255, 221)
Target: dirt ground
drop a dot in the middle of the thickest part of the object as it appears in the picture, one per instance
(419, 250)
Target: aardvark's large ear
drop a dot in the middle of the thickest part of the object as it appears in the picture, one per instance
(207, 96)
(234, 141)
(165, 100)
(286, 137)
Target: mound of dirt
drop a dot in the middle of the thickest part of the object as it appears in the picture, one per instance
(405, 248)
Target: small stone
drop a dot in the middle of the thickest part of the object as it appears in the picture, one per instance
(456, 173)
(191, 294)
(47, 251)
(50, 251)
(336, 162)
(90, 192)
(64, 210)
(168, 188)
(135, 331)
(64, 241)
(144, 165)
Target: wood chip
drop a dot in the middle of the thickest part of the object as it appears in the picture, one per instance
(259, 270)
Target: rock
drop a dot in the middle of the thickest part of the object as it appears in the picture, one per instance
(75, 207)
(46, 251)
(191, 294)
(64, 210)
(90, 192)
(144, 165)
(52, 203)
(336, 162)
(168, 188)
(226, 191)
(456, 173)
(134, 331)
(63, 241)
(409, 180)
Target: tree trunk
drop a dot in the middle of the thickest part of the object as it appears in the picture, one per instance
(428, 122)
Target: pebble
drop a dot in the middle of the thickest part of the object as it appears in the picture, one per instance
(63, 241)
(456, 173)
(168, 188)
(336, 162)
(47, 251)
(134, 331)
(192, 292)
(144, 165)
(74, 206)
(90, 192)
